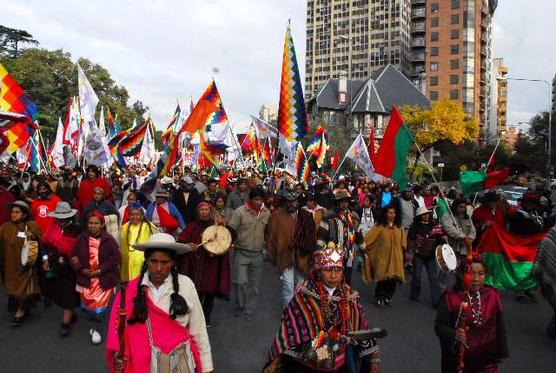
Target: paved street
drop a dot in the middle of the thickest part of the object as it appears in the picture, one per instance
(240, 346)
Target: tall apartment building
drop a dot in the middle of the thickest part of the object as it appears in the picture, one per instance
(444, 46)
(501, 71)
(452, 52)
(353, 38)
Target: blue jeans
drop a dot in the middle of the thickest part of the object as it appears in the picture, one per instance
(290, 278)
(430, 265)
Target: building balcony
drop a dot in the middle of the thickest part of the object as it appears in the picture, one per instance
(417, 57)
(418, 27)
(483, 51)
(415, 2)
(418, 42)
(419, 13)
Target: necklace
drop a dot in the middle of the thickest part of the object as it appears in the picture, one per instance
(476, 307)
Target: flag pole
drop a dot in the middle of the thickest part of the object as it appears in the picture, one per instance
(488, 165)
(340, 166)
(434, 179)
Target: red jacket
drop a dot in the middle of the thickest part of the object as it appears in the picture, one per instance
(87, 188)
(41, 208)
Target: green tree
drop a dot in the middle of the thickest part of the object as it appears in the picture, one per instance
(50, 79)
(10, 40)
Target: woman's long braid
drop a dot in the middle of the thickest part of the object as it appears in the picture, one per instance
(178, 305)
(140, 312)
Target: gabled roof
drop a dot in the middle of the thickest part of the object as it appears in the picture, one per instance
(395, 89)
(386, 87)
(327, 96)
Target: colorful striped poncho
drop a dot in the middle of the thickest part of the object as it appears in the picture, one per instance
(305, 317)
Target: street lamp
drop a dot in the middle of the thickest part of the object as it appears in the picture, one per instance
(549, 147)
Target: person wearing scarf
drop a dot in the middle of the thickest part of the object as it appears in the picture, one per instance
(96, 259)
(385, 245)
(57, 245)
(248, 226)
(341, 227)
(323, 309)
(484, 336)
(165, 215)
(123, 211)
(20, 282)
(136, 230)
(210, 273)
(164, 317)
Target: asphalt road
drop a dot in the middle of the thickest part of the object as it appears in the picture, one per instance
(241, 346)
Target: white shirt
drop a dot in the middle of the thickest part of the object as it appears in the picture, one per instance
(194, 320)
(420, 201)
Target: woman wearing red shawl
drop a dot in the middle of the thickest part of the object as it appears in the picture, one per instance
(210, 273)
(164, 317)
(484, 336)
(58, 242)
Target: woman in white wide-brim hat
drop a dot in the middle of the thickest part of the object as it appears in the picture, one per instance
(163, 313)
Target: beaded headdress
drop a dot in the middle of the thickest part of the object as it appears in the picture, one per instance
(329, 256)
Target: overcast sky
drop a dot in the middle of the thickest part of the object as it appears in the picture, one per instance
(163, 51)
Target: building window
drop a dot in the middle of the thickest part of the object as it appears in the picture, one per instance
(433, 95)
(455, 4)
(454, 79)
(434, 80)
(434, 8)
(434, 22)
(454, 64)
(454, 34)
(434, 36)
(454, 94)
(434, 66)
(454, 19)
(434, 51)
(454, 49)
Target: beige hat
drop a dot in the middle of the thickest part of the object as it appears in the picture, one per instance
(163, 241)
(421, 211)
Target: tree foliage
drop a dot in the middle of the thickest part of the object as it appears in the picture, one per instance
(445, 120)
(50, 79)
(11, 39)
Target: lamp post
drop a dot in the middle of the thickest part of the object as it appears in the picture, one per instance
(549, 147)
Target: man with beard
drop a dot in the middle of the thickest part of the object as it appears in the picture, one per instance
(291, 240)
(186, 198)
(45, 204)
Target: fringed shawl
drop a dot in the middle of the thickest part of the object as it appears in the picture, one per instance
(305, 317)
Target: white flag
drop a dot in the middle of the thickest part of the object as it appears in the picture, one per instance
(232, 143)
(148, 151)
(265, 129)
(57, 150)
(101, 126)
(71, 133)
(360, 155)
(88, 99)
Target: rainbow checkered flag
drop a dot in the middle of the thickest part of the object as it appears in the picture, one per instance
(302, 165)
(319, 146)
(292, 119)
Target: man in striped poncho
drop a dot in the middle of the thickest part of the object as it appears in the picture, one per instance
(322, 311)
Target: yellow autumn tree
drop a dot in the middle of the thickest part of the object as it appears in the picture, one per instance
(445, 120)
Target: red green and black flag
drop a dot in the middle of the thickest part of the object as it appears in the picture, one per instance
(509, 258)
(391, 158)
